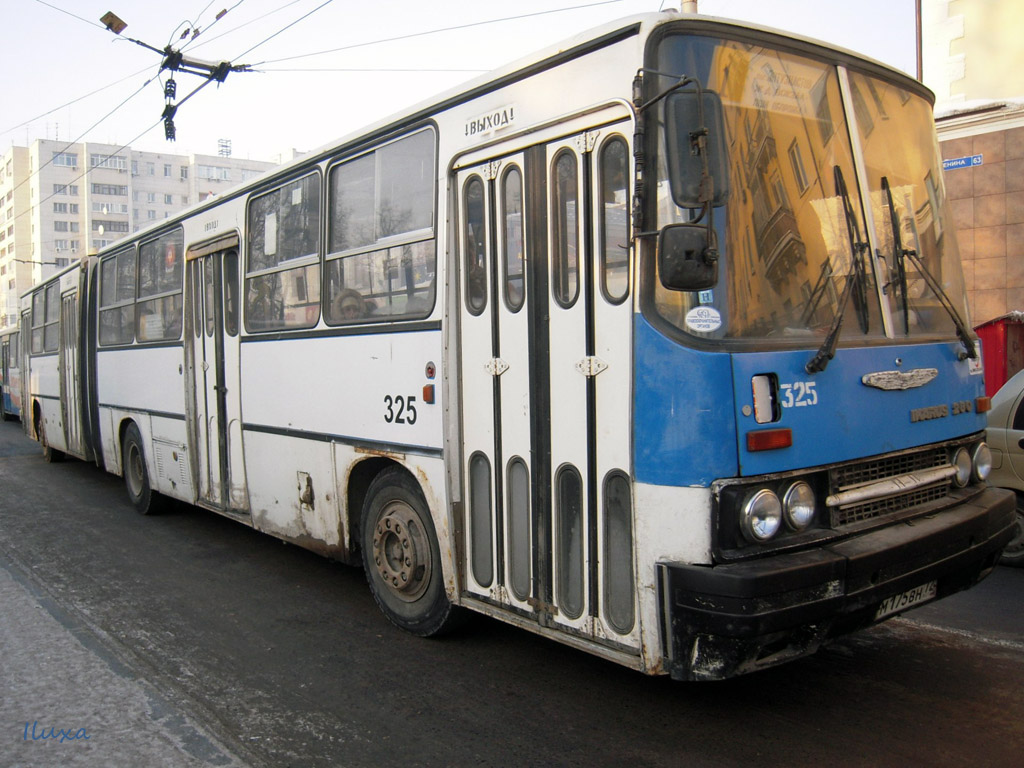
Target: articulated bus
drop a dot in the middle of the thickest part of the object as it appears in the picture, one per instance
(655, 344)
(10, 374)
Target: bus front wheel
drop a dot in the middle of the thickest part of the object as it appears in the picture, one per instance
(401, 556)
(136, 477)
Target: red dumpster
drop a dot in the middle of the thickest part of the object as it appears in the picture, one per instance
(1002, 346)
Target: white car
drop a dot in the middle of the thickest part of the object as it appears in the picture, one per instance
(1006, 440)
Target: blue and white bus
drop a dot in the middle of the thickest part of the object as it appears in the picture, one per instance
(654, 343)
(10, 373)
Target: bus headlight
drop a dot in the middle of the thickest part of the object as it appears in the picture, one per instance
(982, 462)
(963, 466)
(798, 506)
(761, 516)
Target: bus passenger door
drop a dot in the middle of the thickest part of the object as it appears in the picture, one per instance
(212, 389)
(496, 382)
(70, 372)
(545, 375)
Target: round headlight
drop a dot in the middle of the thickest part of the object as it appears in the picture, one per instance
(982, 462)
(761, 516)
(798, 506)
(963, 466)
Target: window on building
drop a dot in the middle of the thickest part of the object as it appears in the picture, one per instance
(120, 190)
(796, 160)
(108, 161)
(65, 159)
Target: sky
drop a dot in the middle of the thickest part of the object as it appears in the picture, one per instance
(66, 77)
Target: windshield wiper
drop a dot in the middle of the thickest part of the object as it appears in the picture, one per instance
(856, 283)
(947, 304)
(898, 256)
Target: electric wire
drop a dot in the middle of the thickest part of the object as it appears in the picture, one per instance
(432, 32)
(74, 101)
(364, 69)
(207, 41)
(289, 26)
(72, 15)
(220, 15)
(83, 174)
(75, 141)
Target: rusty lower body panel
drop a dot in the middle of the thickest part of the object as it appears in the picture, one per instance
(726, 620)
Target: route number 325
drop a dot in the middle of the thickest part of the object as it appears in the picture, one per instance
(400, 409)
(798, 394)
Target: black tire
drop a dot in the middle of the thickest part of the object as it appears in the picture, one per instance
(401, 556)
(1014, 552)
(136, 477)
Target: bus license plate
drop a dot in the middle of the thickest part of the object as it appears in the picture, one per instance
(908, 599)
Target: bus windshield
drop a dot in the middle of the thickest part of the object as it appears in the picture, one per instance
(799, 248)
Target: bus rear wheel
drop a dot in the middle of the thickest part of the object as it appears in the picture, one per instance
(402, 558)
(136, 477)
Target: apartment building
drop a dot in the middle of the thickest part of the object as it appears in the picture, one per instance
(62, 201)
(972, 58)
(15, 241)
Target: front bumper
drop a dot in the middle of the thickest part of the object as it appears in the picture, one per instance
(726, 620)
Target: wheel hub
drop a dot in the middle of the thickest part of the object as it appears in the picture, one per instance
(401, 552)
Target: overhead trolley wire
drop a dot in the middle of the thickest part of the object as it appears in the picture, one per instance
(77, 140)
(289, 26)
(86, 170)
(72, 15)
(207, 41)
(431, 32)
(220, 15)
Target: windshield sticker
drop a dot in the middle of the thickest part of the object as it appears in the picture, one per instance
(706, 297)
(703, 319)
(974, 365)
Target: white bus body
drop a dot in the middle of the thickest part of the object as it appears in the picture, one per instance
(417, 348)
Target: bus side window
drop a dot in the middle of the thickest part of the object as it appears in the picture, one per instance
(159, 309)
(50, 330)
(117, 297)
(38, 320)
(282, 283)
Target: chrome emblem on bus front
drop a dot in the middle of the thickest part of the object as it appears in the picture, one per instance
(899, 379)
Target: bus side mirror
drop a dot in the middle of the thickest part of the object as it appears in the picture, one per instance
(683, 130)
(685, 259)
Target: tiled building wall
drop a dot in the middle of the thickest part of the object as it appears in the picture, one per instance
(988, 208)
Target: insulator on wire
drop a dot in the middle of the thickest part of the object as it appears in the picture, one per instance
(169, 131)
(170, 89)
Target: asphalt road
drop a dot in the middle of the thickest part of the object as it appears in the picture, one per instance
(188, 639)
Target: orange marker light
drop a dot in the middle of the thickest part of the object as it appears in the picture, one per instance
(769, 439)
(983, 404)
(428, 394)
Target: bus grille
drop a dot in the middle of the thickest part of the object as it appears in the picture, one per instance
(853, 475)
